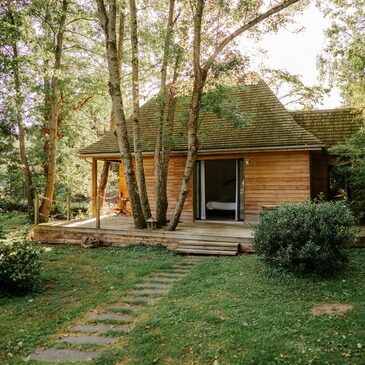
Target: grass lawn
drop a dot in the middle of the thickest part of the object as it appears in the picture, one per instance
(226, 311)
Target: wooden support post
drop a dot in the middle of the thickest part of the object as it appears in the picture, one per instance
(36, 209)
(68, 206)
(94, 186)
(97, 220)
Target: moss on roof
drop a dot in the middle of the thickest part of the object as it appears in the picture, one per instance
(331, 126)
(269, 125)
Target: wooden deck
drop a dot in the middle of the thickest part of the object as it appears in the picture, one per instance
(199, 237)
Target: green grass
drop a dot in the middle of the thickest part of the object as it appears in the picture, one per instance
(227, 309)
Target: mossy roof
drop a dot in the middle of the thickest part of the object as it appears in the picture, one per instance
(269, 126)
(331, 126)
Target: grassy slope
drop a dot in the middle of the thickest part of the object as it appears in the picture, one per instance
(227, 309)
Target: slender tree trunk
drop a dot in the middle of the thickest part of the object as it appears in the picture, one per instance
(107, 22)
(166, 146)
(19, 120)
(53, 122)
(159, 168)
(106, 165)
(200, 76)
(136, 132)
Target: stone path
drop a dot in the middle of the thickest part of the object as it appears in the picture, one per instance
(103, 327)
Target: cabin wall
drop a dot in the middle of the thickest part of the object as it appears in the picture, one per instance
(270, 178)
(274, 177)
(176, 172)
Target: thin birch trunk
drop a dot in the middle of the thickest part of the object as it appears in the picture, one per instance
(106, 165)
(160, 174)
(136, 131)
(200, 76)
(53, 123)
(107, 22)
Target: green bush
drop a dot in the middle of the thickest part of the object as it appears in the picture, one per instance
(305, 237)
(19, 265)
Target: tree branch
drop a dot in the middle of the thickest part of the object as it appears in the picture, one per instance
(245, 27)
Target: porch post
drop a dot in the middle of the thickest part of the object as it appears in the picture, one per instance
(94, 186)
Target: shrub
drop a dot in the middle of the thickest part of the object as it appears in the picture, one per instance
(305, 237)
(19, 265)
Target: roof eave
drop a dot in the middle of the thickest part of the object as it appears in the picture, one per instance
(215, 151)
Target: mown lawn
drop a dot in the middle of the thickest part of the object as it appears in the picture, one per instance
(226, 311)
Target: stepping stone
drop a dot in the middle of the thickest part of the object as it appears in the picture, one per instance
(62, 355)
(154, 285)
(169, 274)
(148, 292)
(182, 267)
(125, 308)
(100, 328)
(112, 316)
(85, 340)
(138, 299)
(161, 279)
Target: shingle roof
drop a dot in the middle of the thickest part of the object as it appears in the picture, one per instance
(270, 125)
(331, 126)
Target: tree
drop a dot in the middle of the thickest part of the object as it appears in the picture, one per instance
(107, 18)
(54, 115)
(13, 25)
(200, 73)
(343, 60)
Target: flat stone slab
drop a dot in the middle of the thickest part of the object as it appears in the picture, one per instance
(128, 308)
(100, 328)
(162, 279)
(182, 267)
(62, 355)
(170, 274)
(138, 299)
(85, 340)
(154, 285)
(149, 292)
(112, 316)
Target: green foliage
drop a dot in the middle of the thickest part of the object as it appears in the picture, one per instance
(306, 237)
(19, 265)
(344, 58)
(351, 163)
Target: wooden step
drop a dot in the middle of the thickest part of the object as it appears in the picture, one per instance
(206, 252)
(208, 247)
(207, 243)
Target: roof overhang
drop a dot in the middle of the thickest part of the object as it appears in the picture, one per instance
(117, 156)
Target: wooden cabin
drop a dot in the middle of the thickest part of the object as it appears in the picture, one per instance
(277, 156)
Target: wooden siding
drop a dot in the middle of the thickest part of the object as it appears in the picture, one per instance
(270, 178)
(274, 177)
(176, 171)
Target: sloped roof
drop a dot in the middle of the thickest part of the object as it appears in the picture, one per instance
(270, 125)
(331, 126)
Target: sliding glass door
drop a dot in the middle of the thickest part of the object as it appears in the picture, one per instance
(219, 190)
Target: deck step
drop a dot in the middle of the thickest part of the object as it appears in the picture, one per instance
(206, 252)
(207, 247)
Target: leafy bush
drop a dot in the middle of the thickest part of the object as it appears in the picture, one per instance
(19, 265)
(305, 237)
(9, 205)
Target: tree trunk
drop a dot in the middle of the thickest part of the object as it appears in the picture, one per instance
(108, 25)
(166, 147)
(136, 132)
(53, 123)
(19, 120)
(106, 165)
(160, 174)
(200, 76)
